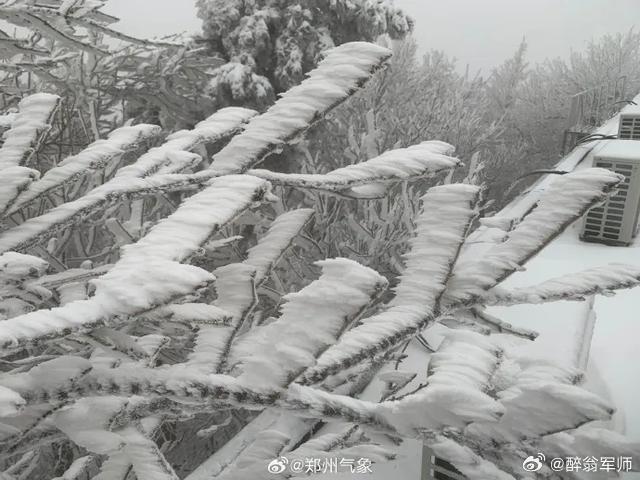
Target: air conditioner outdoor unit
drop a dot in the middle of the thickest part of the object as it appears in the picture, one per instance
(629, 128)
(616, 222)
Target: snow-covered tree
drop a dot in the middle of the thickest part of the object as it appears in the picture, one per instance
(271, 44)
(109, 341)
(105, 77)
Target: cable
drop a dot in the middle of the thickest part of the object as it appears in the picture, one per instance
(628, 102)
(595, 136)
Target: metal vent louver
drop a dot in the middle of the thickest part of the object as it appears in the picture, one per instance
(616, 222)
(436, 468)
(629, 126)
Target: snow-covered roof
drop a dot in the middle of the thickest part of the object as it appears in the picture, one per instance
(632, 109)
(620, 149)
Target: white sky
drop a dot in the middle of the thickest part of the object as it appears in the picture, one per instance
(481, 33)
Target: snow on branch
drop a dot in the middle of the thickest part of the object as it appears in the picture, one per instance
(80, 16)
(32, 123)
(149, 273)
(465, 360)
(148, 461)
(21, 14)
(274, 354)
(222, 124)
(78, 469)
(236, 285)
(432, 254)
(270, 248)
(425, 159)
(18, 293)
(132, 181)
(603, 280)
(13, 181)
(451, 445)
(117, 466)
(86, 422)
(21, 142)
(495, 324)
(199, 217)
(96, 156)
(429, 409)
(37, 230)
(566, 200)
(539, 403)
(537, 399)
(6, 120)
(591, 441)
(342, 72)
(532, 400)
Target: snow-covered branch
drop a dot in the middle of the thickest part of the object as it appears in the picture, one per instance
(425, 159)
(275, 354)
(149, 273)
(98, 155)
(429, 263)
(21, 142)
(603, 280)
(344, 69)
(236, 285)
(565, 201)
(132, 181)
(222, 124)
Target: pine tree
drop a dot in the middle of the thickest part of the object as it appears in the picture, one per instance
(271, 44)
